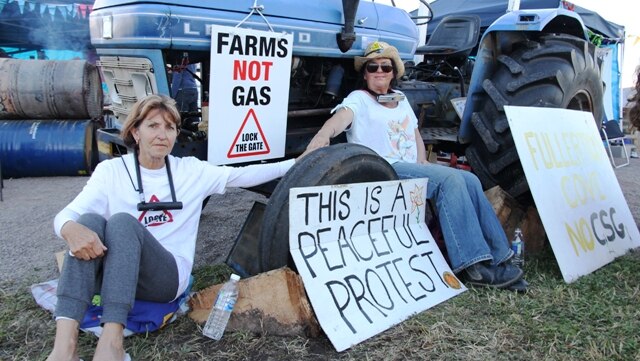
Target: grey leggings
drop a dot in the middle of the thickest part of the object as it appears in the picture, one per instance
(135, 266)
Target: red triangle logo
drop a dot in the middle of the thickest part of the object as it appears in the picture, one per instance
(248, 141)
(155, 220)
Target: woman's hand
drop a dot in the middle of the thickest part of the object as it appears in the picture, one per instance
(307, 151)
(321, 139)
(83, 243)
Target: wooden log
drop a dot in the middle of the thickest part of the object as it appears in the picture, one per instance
(273, 303)
(533, 231)
(507, 209)
(60, 259)
(512, 215)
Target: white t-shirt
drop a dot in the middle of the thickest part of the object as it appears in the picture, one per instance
(111, 190)
(390, 132)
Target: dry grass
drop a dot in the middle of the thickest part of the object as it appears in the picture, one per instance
(595, 318)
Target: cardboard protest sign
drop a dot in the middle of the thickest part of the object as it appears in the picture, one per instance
(366, 257)
(578, 197)
(248, 94)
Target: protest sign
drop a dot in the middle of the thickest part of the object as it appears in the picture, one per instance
(580, 203)
(366, 257)
(248, 94)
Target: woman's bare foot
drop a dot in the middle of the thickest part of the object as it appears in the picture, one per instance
(65, 346)
(111, 344)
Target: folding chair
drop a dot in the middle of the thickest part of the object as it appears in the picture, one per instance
(610, 133)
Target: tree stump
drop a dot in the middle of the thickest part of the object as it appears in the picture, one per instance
(273, 303)
(512, 215)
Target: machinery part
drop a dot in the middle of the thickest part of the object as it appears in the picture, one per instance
(557, 71)
(422, 20)
(347, 36)
(49, 89)
(337, 164)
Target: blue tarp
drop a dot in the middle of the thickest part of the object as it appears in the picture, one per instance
(612, 81)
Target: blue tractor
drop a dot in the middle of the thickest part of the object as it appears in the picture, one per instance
(458, 87)
(528, 57)
(140, 43)
(534, 57)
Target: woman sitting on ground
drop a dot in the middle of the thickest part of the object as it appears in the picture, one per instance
(132, 230)
(380, 118)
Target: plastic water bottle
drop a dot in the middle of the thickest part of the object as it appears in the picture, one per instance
(517, 246)
(221, 310)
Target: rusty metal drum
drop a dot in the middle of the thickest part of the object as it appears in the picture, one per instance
(49, 89)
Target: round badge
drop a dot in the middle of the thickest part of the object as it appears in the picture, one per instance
(451, 280)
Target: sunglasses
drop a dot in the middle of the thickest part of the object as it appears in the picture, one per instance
(373, 67)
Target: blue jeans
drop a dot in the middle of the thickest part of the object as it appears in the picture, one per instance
(472, 232)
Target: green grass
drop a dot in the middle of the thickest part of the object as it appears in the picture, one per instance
(594, 318)
(210, 275)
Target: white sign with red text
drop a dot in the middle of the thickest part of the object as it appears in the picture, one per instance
(366, 256)
(248, 94)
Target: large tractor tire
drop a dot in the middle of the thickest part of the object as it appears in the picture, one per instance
(338, 164)
(556, 71)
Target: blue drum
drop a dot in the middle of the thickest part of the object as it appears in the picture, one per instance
(43, 148)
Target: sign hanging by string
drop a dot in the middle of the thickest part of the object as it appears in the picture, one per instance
(248, 94)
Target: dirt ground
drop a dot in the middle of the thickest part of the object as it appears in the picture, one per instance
(28, 244)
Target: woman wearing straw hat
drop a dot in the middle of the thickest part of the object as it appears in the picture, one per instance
(380, 118)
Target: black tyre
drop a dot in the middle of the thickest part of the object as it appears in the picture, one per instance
(556, 71)
(205, 201)
(337, 164)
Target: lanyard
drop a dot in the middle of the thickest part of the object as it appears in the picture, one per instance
(153, 206)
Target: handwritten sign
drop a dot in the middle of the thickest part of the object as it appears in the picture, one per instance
(248, 94)
(366, 256)
(580, 202)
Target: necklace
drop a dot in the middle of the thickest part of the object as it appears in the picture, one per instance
(389, 97)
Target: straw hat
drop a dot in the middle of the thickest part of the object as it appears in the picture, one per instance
(380, 49)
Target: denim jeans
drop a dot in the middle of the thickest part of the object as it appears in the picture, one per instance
(472, 232)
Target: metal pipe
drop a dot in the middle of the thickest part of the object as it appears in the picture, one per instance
(347, 37)
(308, 112)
